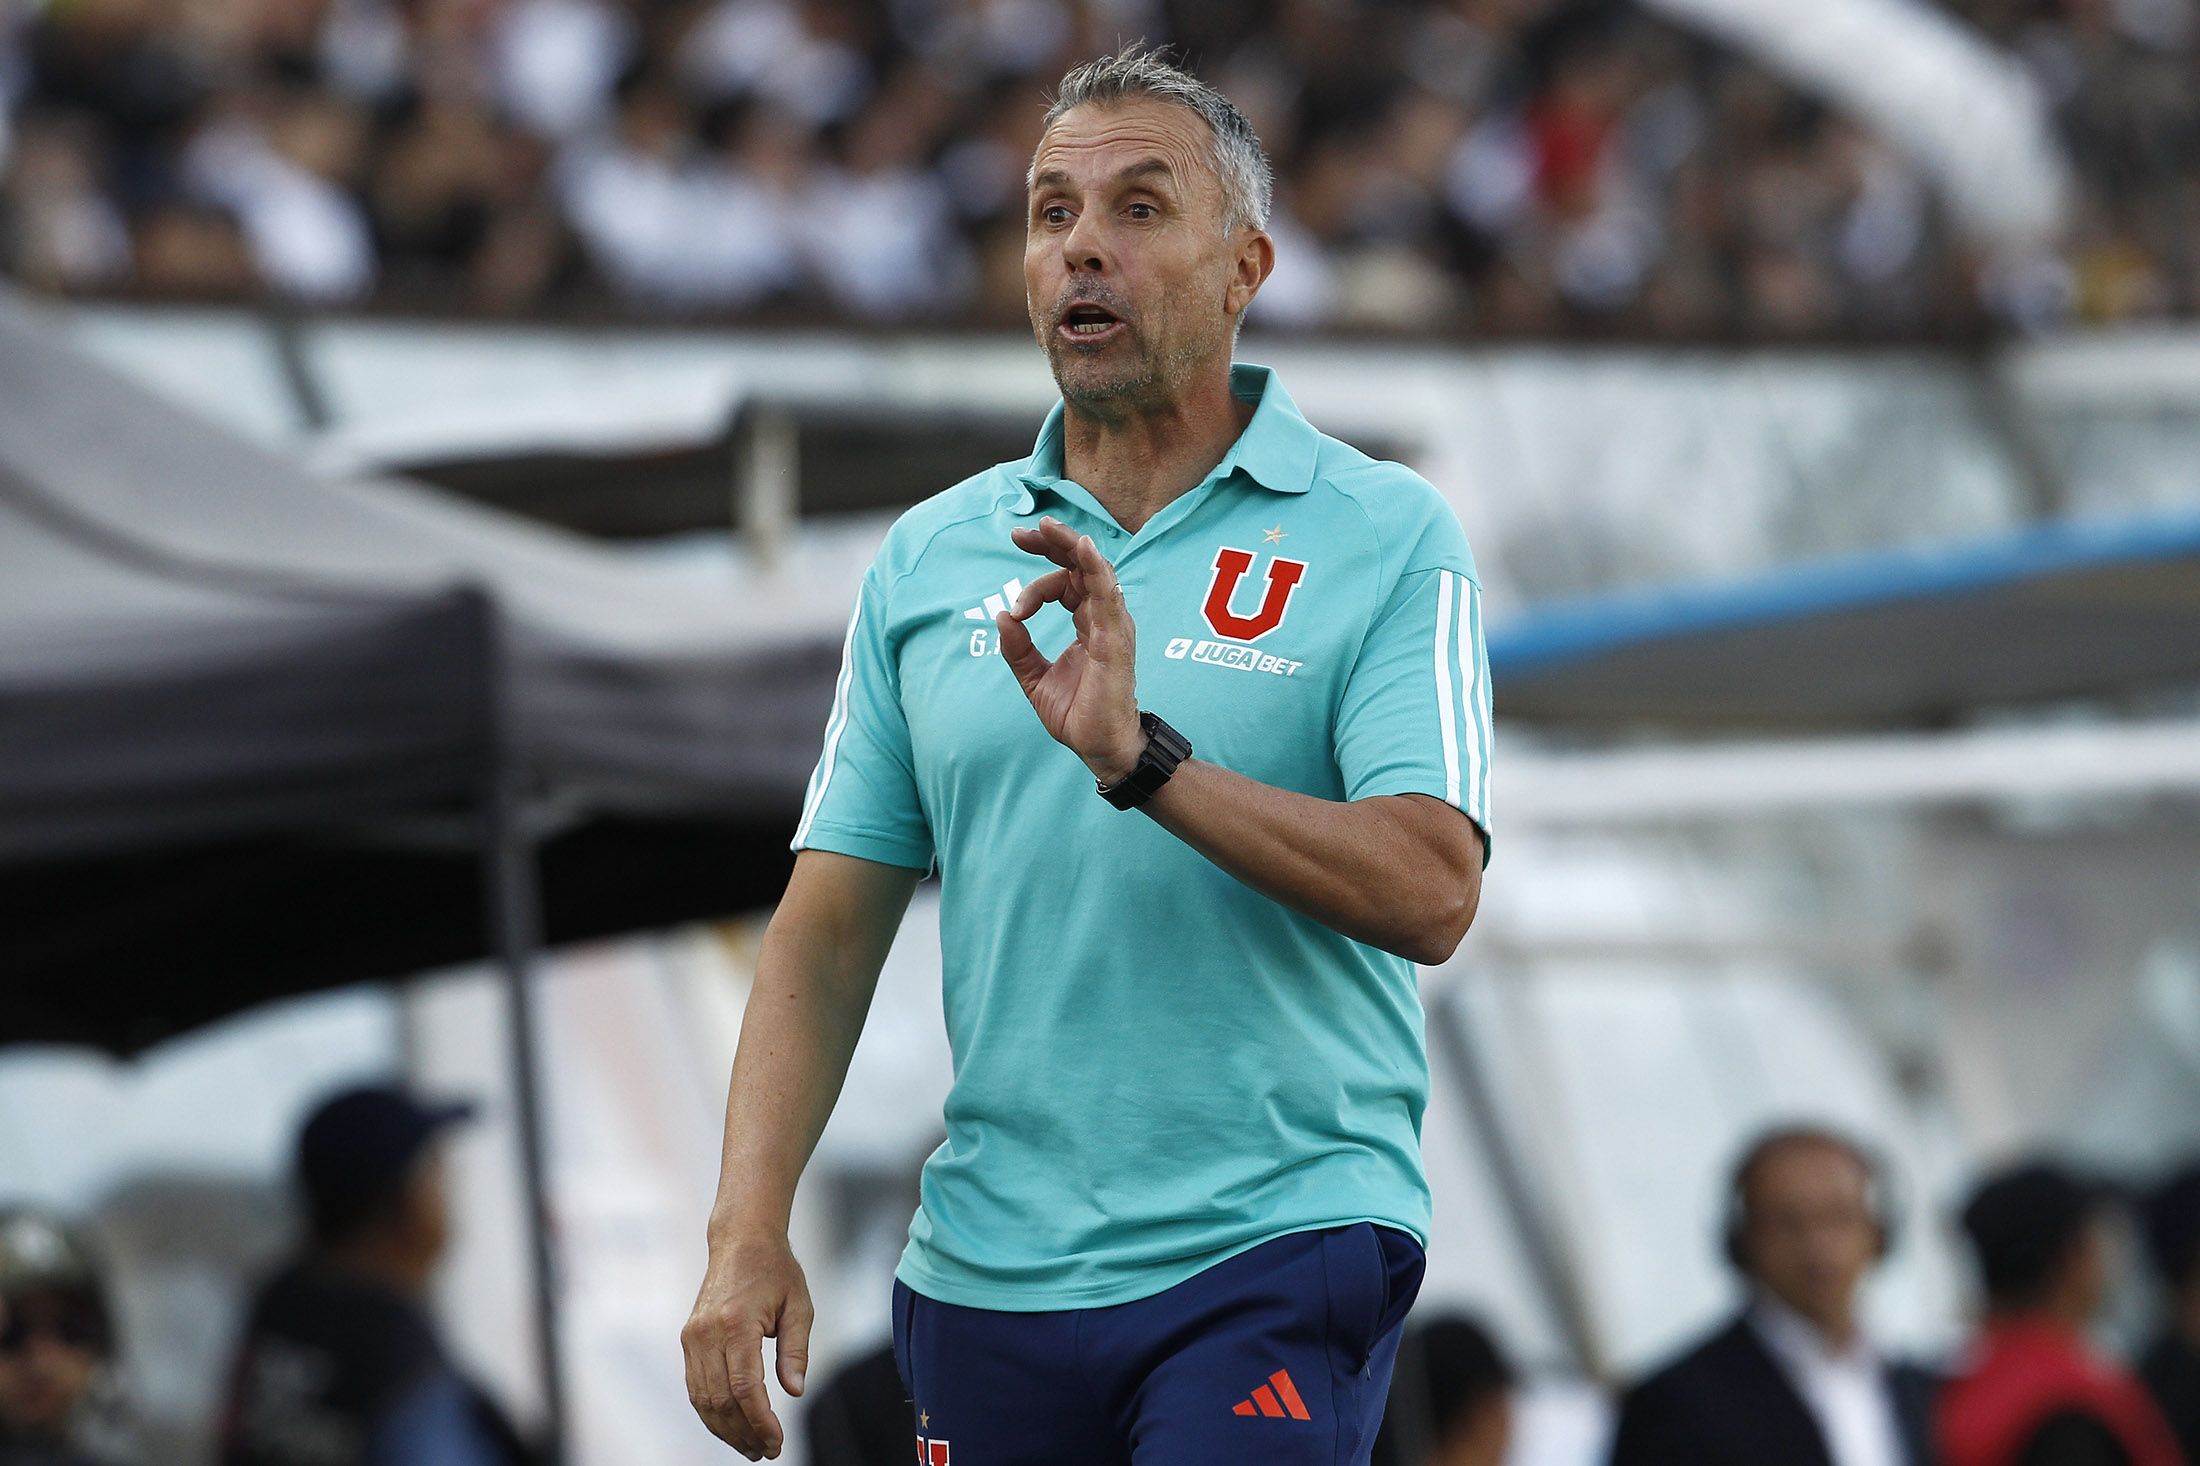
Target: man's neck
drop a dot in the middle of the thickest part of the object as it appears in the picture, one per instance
(389, 1263)
(1837, 1333)
(1138, 463)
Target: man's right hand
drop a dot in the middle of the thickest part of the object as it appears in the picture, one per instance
(753, 1290)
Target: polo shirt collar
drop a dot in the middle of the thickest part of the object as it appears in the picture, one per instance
(1276, 451)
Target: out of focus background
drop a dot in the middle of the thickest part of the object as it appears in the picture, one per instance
(440, 441)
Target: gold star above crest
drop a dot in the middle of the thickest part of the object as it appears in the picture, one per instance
(924, 1420)
(1274, 536)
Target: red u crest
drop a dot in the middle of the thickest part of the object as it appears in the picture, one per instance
(1230, 568)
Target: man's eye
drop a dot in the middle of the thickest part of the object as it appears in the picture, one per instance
(1143, 211)
(1055, 214)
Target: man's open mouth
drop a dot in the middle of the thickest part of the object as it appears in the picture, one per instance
(1087, 321)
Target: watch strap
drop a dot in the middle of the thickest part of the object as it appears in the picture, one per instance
(1165, 749)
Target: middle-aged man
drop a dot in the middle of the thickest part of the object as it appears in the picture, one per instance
(1179, 1213)
(1793, 1381)
(2032, 1391)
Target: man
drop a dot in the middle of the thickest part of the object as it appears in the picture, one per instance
(340, 1365)
(1450, 1399)
(2171, 1366)
(56, 1346)
(1794, 1380)
(2032, 1391)
(1180, 1206)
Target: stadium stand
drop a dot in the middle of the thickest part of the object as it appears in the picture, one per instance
(1506, 167)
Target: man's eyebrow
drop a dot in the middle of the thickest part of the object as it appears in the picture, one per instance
(1147, 168)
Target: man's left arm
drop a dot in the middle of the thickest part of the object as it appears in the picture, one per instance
(1402, 872)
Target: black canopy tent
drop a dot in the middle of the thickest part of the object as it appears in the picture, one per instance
(261, 733)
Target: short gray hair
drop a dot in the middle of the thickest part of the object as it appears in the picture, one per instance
(1240, 163)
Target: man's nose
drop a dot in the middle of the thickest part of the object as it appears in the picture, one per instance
(1082, 247)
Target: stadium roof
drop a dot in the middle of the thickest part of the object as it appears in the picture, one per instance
(1913, 637)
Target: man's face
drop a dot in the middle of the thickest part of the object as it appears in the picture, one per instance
(49, 1353)
(1131, 282)
(1809, 1234)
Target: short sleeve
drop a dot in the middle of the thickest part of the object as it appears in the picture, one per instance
(1415, 714)
(862, 799)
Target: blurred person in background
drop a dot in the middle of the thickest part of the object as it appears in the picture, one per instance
(1450, 1398)
(862, 1415)
(2171, 1365)
(2032, 1391)
(1794, 1380)
(340, 1364)
(58, 1401)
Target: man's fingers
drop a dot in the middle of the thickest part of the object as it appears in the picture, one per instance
(710, 1390)
(1052, 538)
(794, 1340)
(1055, 585)
(745, 1371)
(1023, 658)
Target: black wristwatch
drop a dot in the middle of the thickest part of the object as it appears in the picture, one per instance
(1165, 749)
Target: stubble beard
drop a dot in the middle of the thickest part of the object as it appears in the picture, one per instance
(1131, 376)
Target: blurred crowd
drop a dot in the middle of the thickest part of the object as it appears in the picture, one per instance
(338, 1362)
(1503, 166)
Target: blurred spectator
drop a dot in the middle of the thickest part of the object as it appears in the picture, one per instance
(1506, 166)
(283, 177)
(2032, 1392)
(2171, 1365)
(1450, 1399)
(880, 231)
(65, 232)
(862, 1415)
(1794, 1379)
(340, 1365)
(58, 1401)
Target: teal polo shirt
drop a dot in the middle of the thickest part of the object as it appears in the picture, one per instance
(1155, 1066)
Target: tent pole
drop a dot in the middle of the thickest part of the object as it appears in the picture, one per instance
(511, 890)
(515, 899)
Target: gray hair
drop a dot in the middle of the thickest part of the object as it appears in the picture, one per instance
(1240, 163)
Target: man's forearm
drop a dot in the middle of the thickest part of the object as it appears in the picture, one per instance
(1399, 872)
(814, 977)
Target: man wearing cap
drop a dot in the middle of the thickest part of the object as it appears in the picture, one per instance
(2032, 1391)
(1189, 708)
(56, 1343)
(340, 1365)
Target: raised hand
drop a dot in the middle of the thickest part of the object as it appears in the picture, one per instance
(1087, 697)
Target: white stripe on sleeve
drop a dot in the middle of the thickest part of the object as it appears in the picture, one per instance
(834, 726)
(1445, 717)
(1476, 755)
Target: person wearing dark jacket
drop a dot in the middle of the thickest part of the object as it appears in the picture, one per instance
(2032, 1392)
(1793, 1380)
(2171, 1366)
(340, 1364)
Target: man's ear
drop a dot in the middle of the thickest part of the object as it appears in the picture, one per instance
(1254, 263)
